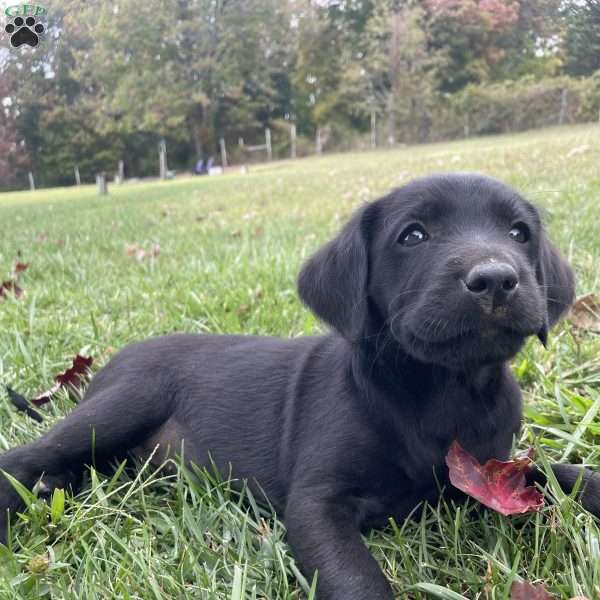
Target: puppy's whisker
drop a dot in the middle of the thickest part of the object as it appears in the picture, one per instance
(403, 293)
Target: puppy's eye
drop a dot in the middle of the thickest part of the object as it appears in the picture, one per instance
(519, 233)
(414, 234)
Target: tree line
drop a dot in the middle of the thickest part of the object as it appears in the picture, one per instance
(109, 81)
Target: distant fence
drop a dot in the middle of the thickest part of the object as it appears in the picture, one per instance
(477, 110)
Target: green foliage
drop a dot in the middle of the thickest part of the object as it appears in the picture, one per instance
(527, 103)
(109, 81)
(582, 38)
(120, 77)
(401, 70)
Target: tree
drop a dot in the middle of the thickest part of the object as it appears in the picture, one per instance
(467, 31)
(400, 69)
(13, 154)
(582, 37)
(318, 71)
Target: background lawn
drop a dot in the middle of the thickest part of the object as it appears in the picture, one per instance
(230, 249)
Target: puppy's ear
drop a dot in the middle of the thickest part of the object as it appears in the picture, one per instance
(333, 282)
(557, 280)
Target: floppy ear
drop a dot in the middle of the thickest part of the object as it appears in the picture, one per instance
(558, 285)
(333, 282)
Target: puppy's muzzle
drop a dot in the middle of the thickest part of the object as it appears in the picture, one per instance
(491, 284)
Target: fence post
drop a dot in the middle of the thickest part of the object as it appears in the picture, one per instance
(121, 171)
(563, 106)
(31, 181)
(268, 144)
(101, 184)
(293, 140)
(223, 152)
(318, 142)
(162, 159)
(77, 177)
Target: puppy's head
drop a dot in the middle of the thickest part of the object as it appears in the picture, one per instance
(455, 268)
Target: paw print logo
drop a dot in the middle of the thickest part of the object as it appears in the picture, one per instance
(24, 31)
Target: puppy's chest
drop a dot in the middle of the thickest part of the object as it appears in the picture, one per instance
(422, 435)
(411, 467)
(458, 414)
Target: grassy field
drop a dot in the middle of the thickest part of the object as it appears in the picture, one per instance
(230, 249)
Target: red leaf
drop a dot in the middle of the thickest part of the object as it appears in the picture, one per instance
(10, 286)
(46, 396)
(71, 377)
(500, 485)
(20, 267)
(521, 590)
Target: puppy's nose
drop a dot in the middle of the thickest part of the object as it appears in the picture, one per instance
(492, 282)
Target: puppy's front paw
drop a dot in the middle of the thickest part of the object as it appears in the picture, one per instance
(9, 504)
(14, 466)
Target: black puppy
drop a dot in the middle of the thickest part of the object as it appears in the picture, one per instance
(430, 291)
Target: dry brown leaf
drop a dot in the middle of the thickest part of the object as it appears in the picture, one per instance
(585, 313)
(20, 267)
(522, 590)
(140, 252)
(10, 287)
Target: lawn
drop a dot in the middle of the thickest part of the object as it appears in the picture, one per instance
(230, 249)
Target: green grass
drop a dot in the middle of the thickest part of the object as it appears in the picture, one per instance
(231, 247)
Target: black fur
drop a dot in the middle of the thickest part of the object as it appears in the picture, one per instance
(345, 430)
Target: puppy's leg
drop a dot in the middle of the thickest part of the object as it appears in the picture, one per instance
(111, 420)
(567, 476)
(325, 537)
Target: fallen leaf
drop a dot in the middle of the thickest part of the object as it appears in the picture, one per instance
(521, 590)
(242, 309)
(20, 267)
(578, 150)
(71, 378)
(8, 287)
(140, 252)
(585, 313)
(499, 485)
(131, 249)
